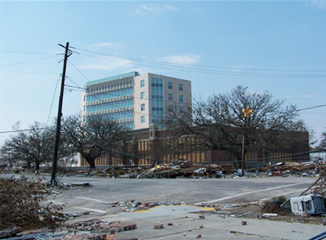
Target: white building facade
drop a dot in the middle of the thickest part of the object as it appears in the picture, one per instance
(135, 100)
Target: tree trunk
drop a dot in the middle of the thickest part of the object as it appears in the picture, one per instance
(37, 165)
(28, 164)
(91, 162)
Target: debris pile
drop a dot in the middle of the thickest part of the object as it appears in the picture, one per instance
(275, 207)
(187, 169)
(133, 205)
(99, 226)
(304, 169)
(92, 229)
(21, 205)
(319, 186)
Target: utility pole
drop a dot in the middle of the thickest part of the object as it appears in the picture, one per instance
(57, 136)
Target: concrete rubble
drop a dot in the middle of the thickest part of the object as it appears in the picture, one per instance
(186, 169)
(95, 229)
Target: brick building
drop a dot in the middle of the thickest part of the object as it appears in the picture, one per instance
(154, 146)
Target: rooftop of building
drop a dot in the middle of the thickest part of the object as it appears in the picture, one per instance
(120, 76)
(116, 77)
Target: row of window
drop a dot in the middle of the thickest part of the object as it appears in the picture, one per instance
(171, 109)
(111, 105)
(170, 97)
(111, 94)
(157, 83)
(142, 108)
(170, 86)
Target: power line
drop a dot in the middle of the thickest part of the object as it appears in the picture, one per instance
(222, 70)
(307, 108)
(78, 70)
(238, 161)
(16, 52)
(15, 131)
(20, 63)
(55, 90)
(28, 72)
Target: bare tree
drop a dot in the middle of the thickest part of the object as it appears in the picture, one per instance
(218, 122)
(33, 146)
(93, 138)
(322, 143)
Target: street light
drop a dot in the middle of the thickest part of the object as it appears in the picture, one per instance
(246, 112)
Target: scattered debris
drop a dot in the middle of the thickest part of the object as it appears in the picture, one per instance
(158, 226)
(274, 208)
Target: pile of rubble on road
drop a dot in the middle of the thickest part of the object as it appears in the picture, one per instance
(187, 169)
(133, 205)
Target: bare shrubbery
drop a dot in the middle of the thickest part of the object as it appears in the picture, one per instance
(21, 205)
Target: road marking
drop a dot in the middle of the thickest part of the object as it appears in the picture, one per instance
(90, 209)
(293, 191)
(245, 193)
(92, 199)
(56, 202)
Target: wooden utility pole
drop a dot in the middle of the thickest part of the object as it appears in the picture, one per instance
(246, 112)
(57, 136)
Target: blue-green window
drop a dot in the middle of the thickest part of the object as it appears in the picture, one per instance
(169, 85)
(180, 87)
(157, 99)
(142, 119)
(143, 107)
(180, 98)
(170, 108)
(181, 109)
(110, 105)
(111, 94)
(142, 83)
(142, 95)
(170, 97)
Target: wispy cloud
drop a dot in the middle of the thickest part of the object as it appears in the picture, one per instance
(150, 9)
(108, 63)
(107, 45)
(183, 59)
(321, 4)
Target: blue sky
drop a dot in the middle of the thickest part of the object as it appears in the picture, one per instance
(275, 46)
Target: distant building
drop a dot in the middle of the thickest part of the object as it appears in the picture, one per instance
(135, 100)
(153, 146)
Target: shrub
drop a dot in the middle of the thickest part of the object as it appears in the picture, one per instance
(280, 199)
(21, 205)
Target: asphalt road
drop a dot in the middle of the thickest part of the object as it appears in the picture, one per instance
(216, 191)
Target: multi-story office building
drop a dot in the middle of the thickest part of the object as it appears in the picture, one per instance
(135, 100)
